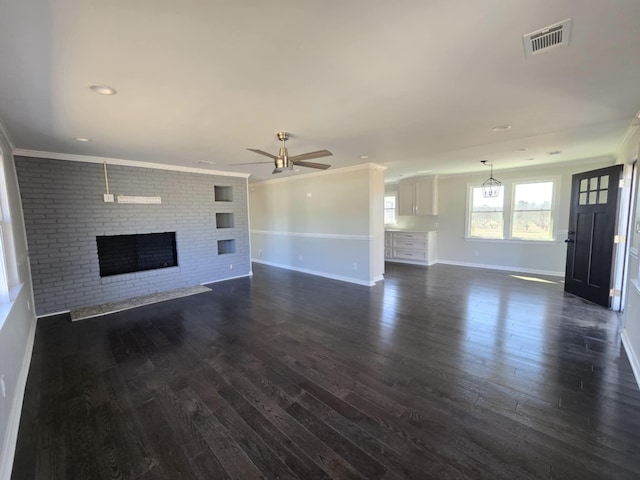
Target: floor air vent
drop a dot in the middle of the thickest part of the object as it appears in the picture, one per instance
(546, 38)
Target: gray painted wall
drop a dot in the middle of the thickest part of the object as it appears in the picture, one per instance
(541, 257)
(17, 320)
(455, 248)
(64, 211)
(325, 223)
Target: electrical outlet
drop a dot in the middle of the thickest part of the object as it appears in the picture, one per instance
(300, 257)
(108, 198)
(476, 253)
(355, 266)
(230, 266)
(260, 253)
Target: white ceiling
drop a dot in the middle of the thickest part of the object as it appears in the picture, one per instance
(413, 85)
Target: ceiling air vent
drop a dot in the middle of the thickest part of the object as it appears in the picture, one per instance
(543, 40)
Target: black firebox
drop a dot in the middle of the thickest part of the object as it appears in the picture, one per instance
(135, 253)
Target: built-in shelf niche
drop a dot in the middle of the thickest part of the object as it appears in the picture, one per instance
(222, 193)
(224, 220)
(226, 246)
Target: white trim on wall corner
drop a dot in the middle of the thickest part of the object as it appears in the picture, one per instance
(5, 136)
(330, 171)
(533, 271)
(338, 236)
(123, 162)
(631, 354)
(317, 273)
(11, 435)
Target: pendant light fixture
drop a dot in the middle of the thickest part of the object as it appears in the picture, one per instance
(491, 187)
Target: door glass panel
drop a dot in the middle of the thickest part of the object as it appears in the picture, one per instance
(584, 185)
(604, 181)
(593, 183)
(583, 199)
(593, 198)
(602, 196)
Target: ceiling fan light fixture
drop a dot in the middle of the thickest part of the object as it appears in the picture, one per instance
(491, 186)
(284, 161)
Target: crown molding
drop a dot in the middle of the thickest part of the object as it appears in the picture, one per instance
(627, 138)
(331, 171)
(119, 161)
(5, 136)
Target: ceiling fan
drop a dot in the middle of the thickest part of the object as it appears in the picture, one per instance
(283, 161)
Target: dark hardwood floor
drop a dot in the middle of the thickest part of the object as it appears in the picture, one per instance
(436, 373)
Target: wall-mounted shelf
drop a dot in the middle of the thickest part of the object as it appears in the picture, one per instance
(224, 220)
(226, 246)
(222, 193)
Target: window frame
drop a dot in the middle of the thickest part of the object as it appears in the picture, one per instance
(509, 188)
(395, 208)
(470, 212)
(8, 272)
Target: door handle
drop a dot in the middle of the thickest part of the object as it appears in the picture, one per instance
(569, 240)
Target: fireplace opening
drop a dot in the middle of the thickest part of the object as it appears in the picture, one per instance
(120, 254)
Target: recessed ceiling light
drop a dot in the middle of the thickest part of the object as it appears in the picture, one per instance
(296, 169)
(103, 89)
(364, 157)
(554, 152)
(425, 171)
(501, 128)
(523, 149)
(80, 139)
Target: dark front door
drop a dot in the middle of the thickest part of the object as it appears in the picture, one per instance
(590, 240)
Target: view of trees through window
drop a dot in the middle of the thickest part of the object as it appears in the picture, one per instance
(487, 215)
(532, 211)
(389, 209)
(529, 209)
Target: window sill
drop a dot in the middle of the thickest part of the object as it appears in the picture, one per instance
(512, 240)
(5, 307)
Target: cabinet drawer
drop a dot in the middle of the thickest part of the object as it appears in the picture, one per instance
(388, 239)
(410, 236)
(417, 255)
(410, 244)
(387, 253)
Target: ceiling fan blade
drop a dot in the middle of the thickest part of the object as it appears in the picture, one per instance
(311, 155)
(262, 152)
(321, 166)
(250, 163)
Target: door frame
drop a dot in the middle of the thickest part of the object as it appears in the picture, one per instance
(625, 216)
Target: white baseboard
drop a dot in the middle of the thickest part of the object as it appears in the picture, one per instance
(11, 435)
(410, 262)
(46, 315)
(533, 271)
(317, 273)
(631, 353)
(250, 274)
